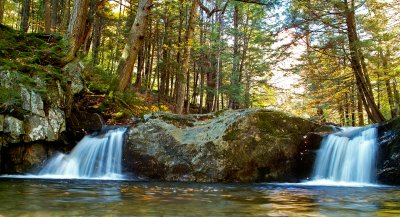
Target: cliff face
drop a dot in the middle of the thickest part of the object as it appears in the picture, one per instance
(389, 152)
(31, 130)
(233, 146)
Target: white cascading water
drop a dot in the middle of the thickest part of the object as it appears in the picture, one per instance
(348, 156)
(94, 157)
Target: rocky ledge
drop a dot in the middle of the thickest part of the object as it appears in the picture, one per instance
(33, 130)
(232, 146)
(389, 152)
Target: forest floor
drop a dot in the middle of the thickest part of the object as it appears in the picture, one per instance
(28, 60)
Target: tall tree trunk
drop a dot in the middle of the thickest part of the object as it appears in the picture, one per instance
(140, 64)
(247, 90)
(360, 109)
(346, 106)
(76, 29)
(233, 101)
(2, 2)
(149, 59)
(186, 58)
(93, 6)
(25, 15)
(114, 46)
(188, 91)
(165, 58)
(96, 35)
(54, 11)
(355, 58)
(247, 36)
(210, 89)
(47, 16)
(353, 105)
(384, 59)
(201, 89)
(157, 72)
(195, 83)
(219, 66)
(179, 52)
(135, 41)
(65, 15)
(341, 114)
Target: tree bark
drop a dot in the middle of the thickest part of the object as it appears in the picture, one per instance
(384, 59)
(139, 68)
(96, 37)
(2, 2)
(164, 83)
(235, 76)
(355, 58)
(54, 11)
(195, 84)
(179, 50)
(219, 66)
(210, 90)
(65, 15)
(25, 15)
(75, 33)
(353, 106)
(186, 58)
(135, 41)
(47, 16)
(360, 109)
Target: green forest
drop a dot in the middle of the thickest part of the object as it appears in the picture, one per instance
(334, 61)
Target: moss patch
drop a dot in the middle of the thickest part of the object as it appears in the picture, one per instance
(28, 60)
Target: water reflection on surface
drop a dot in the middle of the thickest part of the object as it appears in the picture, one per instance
(27, 197)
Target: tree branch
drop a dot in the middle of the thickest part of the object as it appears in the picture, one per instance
(215, 10)
(259, 2)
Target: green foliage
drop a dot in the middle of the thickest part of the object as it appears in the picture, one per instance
(9, 97)
(98, 79)
(28, 60)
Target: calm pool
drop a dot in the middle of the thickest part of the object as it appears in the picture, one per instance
(36, 197)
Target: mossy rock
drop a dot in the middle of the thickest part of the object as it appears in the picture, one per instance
(235, 146)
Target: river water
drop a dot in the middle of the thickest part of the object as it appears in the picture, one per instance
(40, 197)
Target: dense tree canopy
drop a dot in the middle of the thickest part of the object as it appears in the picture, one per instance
(341, 56)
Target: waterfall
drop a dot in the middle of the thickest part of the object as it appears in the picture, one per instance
(95, 156)
(348, 156)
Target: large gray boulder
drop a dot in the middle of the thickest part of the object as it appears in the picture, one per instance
(233, 146)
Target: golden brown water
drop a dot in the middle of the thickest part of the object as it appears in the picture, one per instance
(34, 197)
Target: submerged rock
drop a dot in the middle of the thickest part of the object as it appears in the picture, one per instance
(233, 146)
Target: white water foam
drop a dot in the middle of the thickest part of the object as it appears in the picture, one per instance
(347, 158)
(94, 157)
